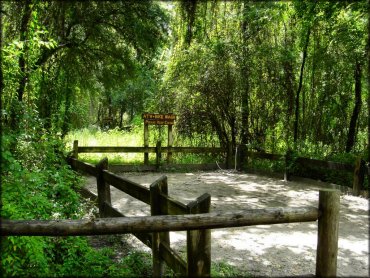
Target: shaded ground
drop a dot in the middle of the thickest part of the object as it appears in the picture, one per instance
(266, 250)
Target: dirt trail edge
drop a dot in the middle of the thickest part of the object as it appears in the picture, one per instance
(266, 250)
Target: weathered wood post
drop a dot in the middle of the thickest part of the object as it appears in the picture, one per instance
(240, 156)
(229, 155)
(103, 187)
(328, 225)
(170, 143)
(288, 165)
(146, 143)
(367, 170)
(156, 189)
(75, 149)
(199, 241)
(358, 176)
(158, 153)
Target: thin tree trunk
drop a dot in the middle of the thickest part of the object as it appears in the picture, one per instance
(296, 118)
(22, 59)
(67, 112)
(122, 110)
(356, 110)
(15, 109)
(245, 110)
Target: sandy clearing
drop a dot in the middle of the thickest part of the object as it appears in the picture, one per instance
(266, 250)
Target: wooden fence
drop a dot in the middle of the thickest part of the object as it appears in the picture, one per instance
(168, 214)
(158, 150)
(198, 242)
(359, 169)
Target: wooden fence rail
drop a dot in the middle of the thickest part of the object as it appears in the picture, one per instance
(158, 150)
(359, 168)
(159, 223)
(168, 214)
(327, 244)
(171, 215)
(161, 204)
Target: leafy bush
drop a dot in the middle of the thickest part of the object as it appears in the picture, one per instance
(38, 184)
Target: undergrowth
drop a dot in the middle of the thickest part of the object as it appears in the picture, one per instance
(36, 183)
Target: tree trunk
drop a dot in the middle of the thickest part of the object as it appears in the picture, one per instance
(296, 118)
(67, 113)
(16, 109)
(22, 59)
(356, 110)
(245, 107)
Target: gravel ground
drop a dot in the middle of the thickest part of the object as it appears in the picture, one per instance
(265, 250)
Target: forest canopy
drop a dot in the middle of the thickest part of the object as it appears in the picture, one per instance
(270, 75)
(287, 77)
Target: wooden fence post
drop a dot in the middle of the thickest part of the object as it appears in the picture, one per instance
(156, 188)
(367, 168)
(103, 187)
(170, 143)
(288, 165)
(241, 157)
(199, 242)
(146, 143)
(327, 242)
(229, 155)
(75, 149)
(358, 176)
(158, 153)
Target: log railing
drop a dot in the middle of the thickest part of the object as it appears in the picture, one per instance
(159, 225)
(161, 204)
(359, 169)
(158, 150)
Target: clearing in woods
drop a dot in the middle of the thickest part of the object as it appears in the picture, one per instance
(266, 250)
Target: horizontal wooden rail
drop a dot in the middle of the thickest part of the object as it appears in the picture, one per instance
(83, 166)
(145, 238)
(308, 162)
(173, 206)
(134, 189)
(88, 194)
(161, 223)
(192, 150)
(264, 155)
(108, 149)
(173, 260)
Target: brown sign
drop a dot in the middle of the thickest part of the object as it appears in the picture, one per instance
(159, 119)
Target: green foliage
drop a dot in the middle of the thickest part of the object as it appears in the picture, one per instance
(139, 263)
(234, 73)
(93, 136)
(38, 184)
(223, 269)
(84, 54)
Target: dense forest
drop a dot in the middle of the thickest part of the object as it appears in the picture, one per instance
(273, 75)
(270, 75)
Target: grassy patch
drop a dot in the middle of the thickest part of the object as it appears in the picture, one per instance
(116, 137)
(223, 269)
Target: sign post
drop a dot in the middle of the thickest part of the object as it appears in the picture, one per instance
(158, 119)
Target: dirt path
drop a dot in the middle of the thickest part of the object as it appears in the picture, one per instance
(266, 250)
